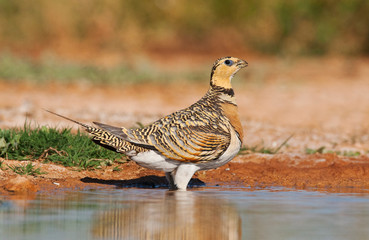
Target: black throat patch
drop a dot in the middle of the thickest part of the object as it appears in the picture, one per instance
(228, 91)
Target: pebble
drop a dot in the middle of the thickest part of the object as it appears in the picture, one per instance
(20, 184)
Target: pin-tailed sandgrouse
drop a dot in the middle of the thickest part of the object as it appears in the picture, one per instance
(206, 135)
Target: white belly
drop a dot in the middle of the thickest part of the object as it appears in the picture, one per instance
(228, 155)
(153, 160)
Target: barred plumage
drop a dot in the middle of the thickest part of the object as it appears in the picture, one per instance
(205, 135)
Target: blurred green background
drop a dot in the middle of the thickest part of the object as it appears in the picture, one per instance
(272, 27)
(36, 34)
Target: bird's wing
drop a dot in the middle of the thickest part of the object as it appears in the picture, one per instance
(185, 143)
(193, 144)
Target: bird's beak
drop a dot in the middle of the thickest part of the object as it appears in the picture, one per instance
(241, 63)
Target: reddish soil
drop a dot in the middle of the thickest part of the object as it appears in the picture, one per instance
(325, 172)
(321, 102)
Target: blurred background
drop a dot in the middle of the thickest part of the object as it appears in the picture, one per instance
(92, 30)
(308, 62)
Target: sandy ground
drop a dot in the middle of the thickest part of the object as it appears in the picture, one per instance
(320, 102)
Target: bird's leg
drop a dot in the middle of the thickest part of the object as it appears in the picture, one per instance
(169, 176)
(183, 175)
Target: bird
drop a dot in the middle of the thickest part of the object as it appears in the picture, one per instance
(203, 136)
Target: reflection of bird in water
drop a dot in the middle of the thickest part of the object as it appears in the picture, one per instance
(180, 215)
(206, 135)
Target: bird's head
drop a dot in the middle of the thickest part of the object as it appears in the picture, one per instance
(223, 71)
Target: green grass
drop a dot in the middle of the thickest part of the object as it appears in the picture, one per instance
(28, 169)
(314, 151)
(263, 149)
(323, 150)
(54, 145)
(117, 169)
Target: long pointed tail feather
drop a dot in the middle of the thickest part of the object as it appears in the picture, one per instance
(102, 136)
(87, 127)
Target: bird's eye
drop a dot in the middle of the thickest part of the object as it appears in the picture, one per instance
(228, 62)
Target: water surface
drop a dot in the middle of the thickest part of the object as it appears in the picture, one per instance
(204, 213)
